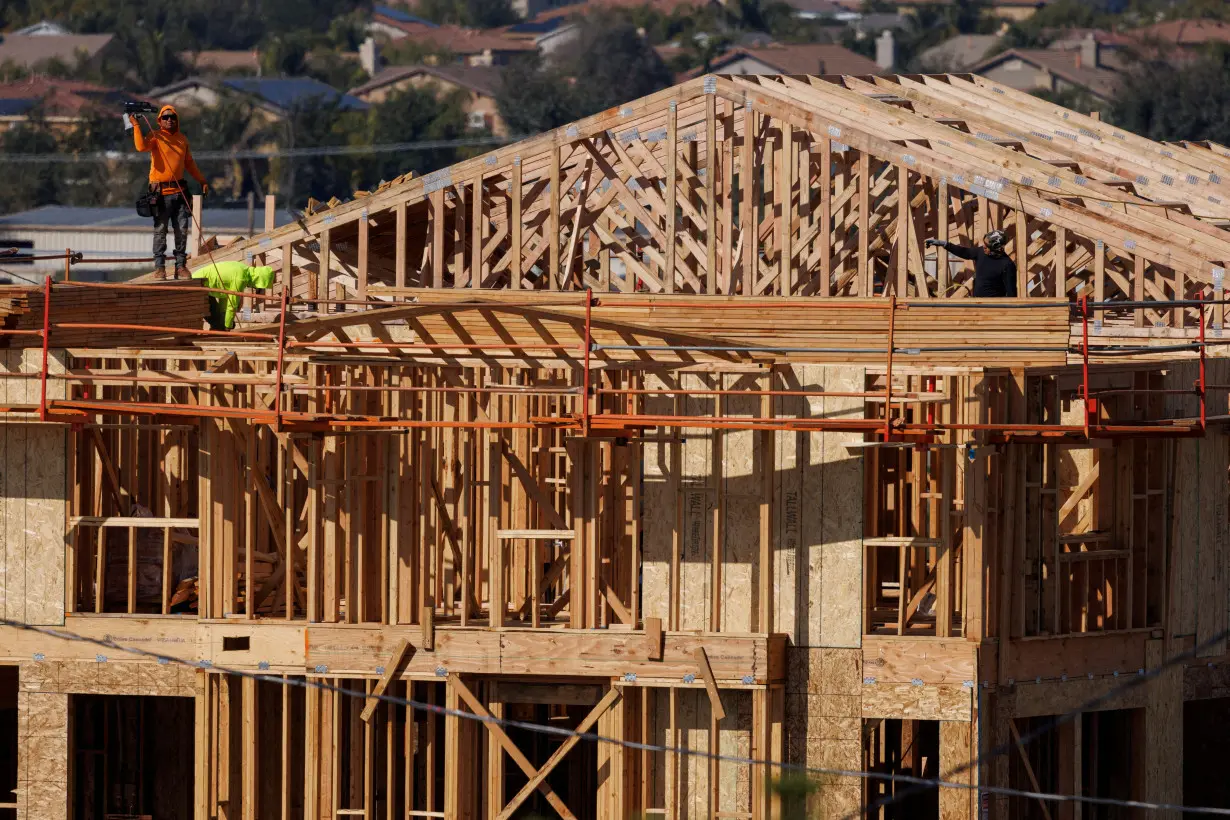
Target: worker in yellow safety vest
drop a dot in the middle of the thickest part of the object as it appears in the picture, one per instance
(232, 276)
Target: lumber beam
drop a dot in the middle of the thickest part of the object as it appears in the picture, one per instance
(706, 673)
(392, 669)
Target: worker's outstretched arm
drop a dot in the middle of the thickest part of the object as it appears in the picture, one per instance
(138, 138)
(959, 251)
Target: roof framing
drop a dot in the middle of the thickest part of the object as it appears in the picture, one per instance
(785, 185)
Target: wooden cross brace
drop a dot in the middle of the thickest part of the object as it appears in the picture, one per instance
(537, 777)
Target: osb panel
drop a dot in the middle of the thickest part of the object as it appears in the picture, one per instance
(42, 714)
(956, 750)
(818, 513)
(703, 496)
(42, 755)
(734, 738)
(918, 702)
(658, 494)
(32, 499)
(699, 501)
(742, 492)
(824, 723)
(840, 584)
(108, 678)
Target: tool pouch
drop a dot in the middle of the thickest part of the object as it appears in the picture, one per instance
(148, 204)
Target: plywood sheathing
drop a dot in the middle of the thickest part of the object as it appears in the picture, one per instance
(824, 723)
(32, 494)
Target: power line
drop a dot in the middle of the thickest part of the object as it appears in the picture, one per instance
(276, 153)
(927, 783)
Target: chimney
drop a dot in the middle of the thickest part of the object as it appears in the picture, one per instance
(1089, 51)
(885, 50)
(369, 56)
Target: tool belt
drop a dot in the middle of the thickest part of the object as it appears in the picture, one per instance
(168, 188)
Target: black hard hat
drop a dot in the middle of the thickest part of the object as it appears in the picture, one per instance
(995, 240)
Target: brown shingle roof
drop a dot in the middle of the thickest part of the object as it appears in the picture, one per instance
(805, 58)
(27, 50)
(222, 61)
(480, 79)
(1063, 64)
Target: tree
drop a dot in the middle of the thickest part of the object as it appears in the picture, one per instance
(608, 64)
(611, 63)
(535, 96)
(1188, 99)
(28, 182)
(286, 54)
(318, 124)
(468, 13)
(230, 126)
(1041, 28)
(414, 115)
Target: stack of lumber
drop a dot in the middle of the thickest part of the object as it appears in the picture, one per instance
(179, 305)
(13, 300)
(990, 333)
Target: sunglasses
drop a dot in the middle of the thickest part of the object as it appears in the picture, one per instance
(169, 117)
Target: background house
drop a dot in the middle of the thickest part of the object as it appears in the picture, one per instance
(805, 58)
(958, 53)
(274, 97)
(1052, 70)
(58, 103)
(46, 43)
(470, 46)
(478, 84)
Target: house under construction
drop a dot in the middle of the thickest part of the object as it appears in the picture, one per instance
(662, 426)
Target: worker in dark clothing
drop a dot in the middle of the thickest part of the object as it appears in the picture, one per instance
(994, 270)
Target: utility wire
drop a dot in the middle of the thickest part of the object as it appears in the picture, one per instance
(320, 151)
(922, 782)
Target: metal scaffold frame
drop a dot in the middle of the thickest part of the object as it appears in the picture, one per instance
(590, 417)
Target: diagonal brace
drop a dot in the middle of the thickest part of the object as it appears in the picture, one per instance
(504, 740)
(588, 723)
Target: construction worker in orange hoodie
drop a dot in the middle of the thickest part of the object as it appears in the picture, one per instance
(169, 156)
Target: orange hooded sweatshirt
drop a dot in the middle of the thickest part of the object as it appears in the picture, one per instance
(169, 154)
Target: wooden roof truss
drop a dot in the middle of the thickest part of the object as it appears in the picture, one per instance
(781, 185)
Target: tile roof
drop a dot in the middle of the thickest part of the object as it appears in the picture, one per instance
(455, 38)
(1186, 32)
(62, 98)
(27, 50)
